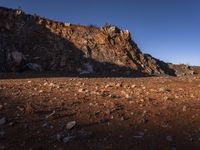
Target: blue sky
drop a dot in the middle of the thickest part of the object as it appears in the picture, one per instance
(167, 29)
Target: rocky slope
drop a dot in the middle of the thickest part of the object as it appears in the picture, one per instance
(30, 42)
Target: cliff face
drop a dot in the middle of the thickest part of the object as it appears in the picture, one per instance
(30, 42)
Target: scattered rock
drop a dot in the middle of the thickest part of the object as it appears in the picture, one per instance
(68, 138)
(34, 67)
(108, 85)
(169, 138)
(82, 134)
(70, 125)
(47, 125)
(40, 91)
(163, 89)
(17, 57)
(133, 86)
(139, 136)
(51, 114)
(118, 85)
(81, 90)
(104, 120)
(105, 93)
(29, 108)
(127, 96)
(2, 121)
(60, 136)
(2, 133)
(184, 108)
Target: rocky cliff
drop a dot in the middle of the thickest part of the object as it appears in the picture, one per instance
(32, 43)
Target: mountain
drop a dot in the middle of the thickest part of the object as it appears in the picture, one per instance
(34, 43)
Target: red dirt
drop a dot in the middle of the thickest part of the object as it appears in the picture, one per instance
(158, 113)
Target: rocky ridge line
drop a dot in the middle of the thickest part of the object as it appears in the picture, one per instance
(33, 43)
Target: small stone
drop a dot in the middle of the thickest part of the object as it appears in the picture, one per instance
(71, 125)
(84, 134)
(166, 98)
(163, 89)
(112, 96)
(108, 85)
(59, 137)
(45, 84)
(139, 136)
(122, 118)
(2, 133)
(192, 95)
(29, 81)
(12, 123)
(128, 96)
(2, 147)
(104, 94)
(81, 90)
(104, 120)
(68, 138)
(47, 125)
(2, 121)
(184, 108)
(133, 86)
(169, 138)
(143, 87)
(52, 85)
(176, 96)
(51, 114)
(118, 85)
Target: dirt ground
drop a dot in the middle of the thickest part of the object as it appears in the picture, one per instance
(154, 113)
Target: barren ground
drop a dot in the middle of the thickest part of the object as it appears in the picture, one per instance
(157, 113)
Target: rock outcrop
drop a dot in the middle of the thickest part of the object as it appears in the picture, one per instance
(30, 42)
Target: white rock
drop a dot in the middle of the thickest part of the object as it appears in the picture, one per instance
(70, 125)
(133, 86)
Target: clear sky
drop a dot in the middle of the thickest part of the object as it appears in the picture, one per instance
(167, 29)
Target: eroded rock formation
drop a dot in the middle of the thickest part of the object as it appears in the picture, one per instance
(30, 42)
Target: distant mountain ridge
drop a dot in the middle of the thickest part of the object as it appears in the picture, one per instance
(33, 43)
